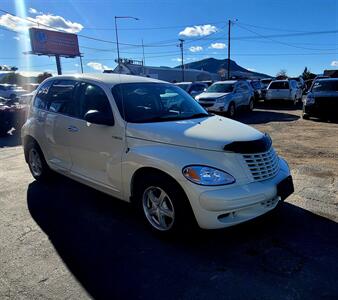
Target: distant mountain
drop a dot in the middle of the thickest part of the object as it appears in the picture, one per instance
(214, 65)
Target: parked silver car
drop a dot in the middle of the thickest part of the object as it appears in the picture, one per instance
(227, 97)
(193, 88)
(287, 90)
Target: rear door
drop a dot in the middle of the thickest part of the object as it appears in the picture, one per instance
(61, 110)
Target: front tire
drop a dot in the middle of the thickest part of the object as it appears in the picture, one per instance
(251, 105)
(231, 110)
(36, 162)
(164, 206)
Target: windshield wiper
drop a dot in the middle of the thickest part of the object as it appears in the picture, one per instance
(199, 115)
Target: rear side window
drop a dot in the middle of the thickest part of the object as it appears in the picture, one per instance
(279, 85)
(61, 97)
(92, 97)
(41, 98)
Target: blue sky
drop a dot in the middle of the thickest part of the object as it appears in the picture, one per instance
(267, 36)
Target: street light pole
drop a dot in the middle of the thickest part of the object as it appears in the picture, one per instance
(117, 45)
(117, 38)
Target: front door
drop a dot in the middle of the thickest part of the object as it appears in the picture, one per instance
(96, 150)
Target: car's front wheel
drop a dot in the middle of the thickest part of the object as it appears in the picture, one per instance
(251, 104)
(164, 206)
(231, 110)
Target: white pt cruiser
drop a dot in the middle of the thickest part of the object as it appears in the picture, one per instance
(150, 143)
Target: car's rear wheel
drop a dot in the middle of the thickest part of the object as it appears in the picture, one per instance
(231, 110)
(36, 162)
(164, 206)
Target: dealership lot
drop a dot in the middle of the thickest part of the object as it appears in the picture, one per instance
(66, 241)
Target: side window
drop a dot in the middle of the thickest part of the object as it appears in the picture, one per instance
(93, 98)
(61, 97)
(2, 88)
(200, 87)
(41, 98)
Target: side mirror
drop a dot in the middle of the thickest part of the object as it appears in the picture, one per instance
(100, 118)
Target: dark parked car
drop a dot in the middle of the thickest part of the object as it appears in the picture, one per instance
(257, 87)
(193, 88)
(322, 99)
(264, 84)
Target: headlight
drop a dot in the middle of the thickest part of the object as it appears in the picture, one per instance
(205, 175)
(310, 99)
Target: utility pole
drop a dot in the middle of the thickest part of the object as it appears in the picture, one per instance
(229, 45)
(58, 64)
(182, 62)
(229, 30)
(81, 63)
(143, 57)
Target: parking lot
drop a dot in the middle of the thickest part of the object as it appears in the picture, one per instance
(63, 240)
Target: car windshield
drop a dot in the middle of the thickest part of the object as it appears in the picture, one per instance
(325, 85)
(155, 102)
(221, 88)
(279, 85)
(184, 86)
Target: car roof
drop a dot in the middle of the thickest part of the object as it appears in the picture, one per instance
(109, 78)
(184, 82)
(226, 81)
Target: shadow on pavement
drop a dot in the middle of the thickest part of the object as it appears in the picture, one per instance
(288, 254)
(262, 117)
(278, 105)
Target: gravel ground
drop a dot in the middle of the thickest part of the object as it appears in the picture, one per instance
(63, 240)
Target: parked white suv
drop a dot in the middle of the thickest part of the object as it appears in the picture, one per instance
(149, 142)
(284, 90)
(11, 91)
(227, 97)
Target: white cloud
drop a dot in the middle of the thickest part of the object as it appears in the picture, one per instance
(199, 30)
(196, 48)
(34, 11)
(251, 69)
(97, 66)
(218, 46)
(16, 38)
(17, 24)
(334, 63)
(176, 59)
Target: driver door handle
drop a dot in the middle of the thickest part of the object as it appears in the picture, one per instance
(72, 128)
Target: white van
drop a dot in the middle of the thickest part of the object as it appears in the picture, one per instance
(150, 143)
(287, 90)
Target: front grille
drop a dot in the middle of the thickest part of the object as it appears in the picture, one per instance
(207, 104)
(262, 165)
(207, 99)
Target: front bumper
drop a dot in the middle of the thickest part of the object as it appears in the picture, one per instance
(229, 206)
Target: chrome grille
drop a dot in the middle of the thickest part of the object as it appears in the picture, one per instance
(262, 165)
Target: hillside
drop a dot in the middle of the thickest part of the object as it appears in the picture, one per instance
(213, 65)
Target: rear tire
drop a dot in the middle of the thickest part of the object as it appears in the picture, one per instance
(306, 117)
(36, 162)
(164, 206)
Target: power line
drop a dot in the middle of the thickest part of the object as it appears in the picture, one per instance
(279, 42)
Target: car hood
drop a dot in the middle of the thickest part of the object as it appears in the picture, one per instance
(211, 133)
(329, 94)
(211, 95)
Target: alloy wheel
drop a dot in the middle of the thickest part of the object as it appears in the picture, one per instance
(158, 208)
(35, 162)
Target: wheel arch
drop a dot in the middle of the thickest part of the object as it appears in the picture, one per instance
(142, 172)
